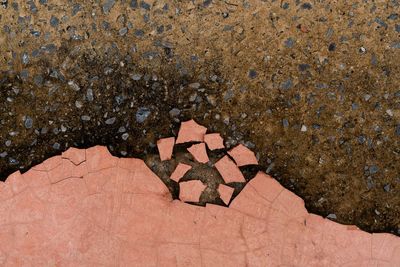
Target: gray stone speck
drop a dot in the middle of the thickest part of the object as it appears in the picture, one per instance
(74, 86)
(108, 5)
(111, 120)
(289, 43)
(125, 136)
(332, 216)
(397, 130)
(85, 118)
(56, 146)
(373, 169)
(75, 9)
(123, 31)
(286, 85)
(3, 154)
(25, 58)
(142, 114)
(8, 143)
(395, 45)
(89, 95)
(144, 5)
(54, 21)
(174, 112)
(136, 76)
(134, 4)
(397, 27)
(252, 74)
(285, 123)
(28, 122)
(386, 188)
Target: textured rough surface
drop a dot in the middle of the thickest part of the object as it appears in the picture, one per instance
(119, 213)
(313, 86)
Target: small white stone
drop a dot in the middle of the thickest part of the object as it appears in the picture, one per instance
(303, 128)
(389, 112)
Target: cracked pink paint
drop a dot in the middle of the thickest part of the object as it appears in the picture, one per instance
(199, 152)
(165, 147)
(191, 131)
(180, 171)
(229, 171)
(243, 156)
(190, 191)
(119, 213)
(225, 193)
(214, 141)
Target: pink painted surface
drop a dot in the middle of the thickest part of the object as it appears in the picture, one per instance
(165, 147)
(199, 152)
(225, 193)
(214, 141)
(229, 171)
(106, 211)
(190, 191)
(180, 171)
(191, 131)
(243, 156)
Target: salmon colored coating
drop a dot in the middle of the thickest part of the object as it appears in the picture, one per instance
(199, 152)
(190, 191)
(214, 141)
(165, 147)
(119, 213)
(180, 171)
(191, 131)
(229, 171)
(225, 193)
(243, 156)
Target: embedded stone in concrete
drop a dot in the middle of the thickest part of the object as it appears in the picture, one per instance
(165, 147)
(243, 156)
(214, 141)
(190, 191)
(180, 171)
(120, 213)
(199, 152)
(225, 193)
(229, 171)
(191, 131)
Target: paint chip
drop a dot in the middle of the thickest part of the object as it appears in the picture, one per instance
(214, 141)
(199, 152)
(180, 171)
(243, 156)
(165, 147)
(191, 131)
(225, 193)
(229, 171)
(190, 191)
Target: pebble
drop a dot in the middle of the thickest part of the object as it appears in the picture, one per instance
(142, 114)
(389, 112)
(3, 154)
(304, 67)
(108, 5)
(28, 122)
(289, 43)
(145, 5)
(136, 76)
(303, 128)
(25, 58)
(286, 85)
(56, 146)
(111, 120)
(123, 31)
(133, 4)
(85, 118)
(74, 86)
(386, 188)
(373, 169)
(125, 136)
(174, 112)
(397, 130)
(54, 21)
(332, 216)
(285, 123)
(78, 104)
(75, 9)
(89, 95)
(306, 6)
(252, 74)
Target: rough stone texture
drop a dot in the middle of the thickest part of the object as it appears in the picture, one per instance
(118, 212)
(314, 86)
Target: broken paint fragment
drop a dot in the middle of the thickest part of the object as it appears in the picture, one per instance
(190, 191)
(214, 141)
(165, 147)
(191, 131)
(225, 193)
(229, 171)
(199, 152)
(180, 171)
(243, 156)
